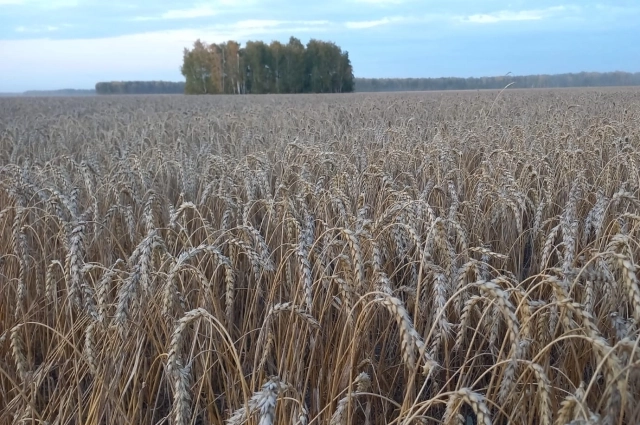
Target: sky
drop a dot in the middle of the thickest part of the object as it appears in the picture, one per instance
(55, 44)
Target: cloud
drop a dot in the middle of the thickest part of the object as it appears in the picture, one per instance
(511, 16)
(264, 24)
(485, 18)
(47, 28)
(405, 20)
(371, 24)
(197, 11)
(251, 27)
(381, 2)
(40, 4)
(194, 12)
(252, 24)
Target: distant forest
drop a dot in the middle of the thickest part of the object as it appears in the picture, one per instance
(582, 79)
(61, 92)
(140, 87)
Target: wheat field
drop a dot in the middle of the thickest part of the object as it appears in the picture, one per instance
(423, 258)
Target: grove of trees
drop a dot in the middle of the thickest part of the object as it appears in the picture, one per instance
(581, 79)
(228, 68)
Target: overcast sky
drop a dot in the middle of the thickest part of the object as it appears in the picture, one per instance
(52, 44)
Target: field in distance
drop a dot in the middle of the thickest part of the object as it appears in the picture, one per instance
(399, 258)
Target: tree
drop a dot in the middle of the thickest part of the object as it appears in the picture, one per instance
(232, 67)
(294, 64)
(278, 60)
(197, 69)
(346, 74)
(216, 64)
(312, 67)
(254, 71)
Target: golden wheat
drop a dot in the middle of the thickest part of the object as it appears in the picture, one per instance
(455, 257)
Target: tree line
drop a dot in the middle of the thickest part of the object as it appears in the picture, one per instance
(256, 68)
(284, 85)
(59, 92)
(581, 79)
(140, 87)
